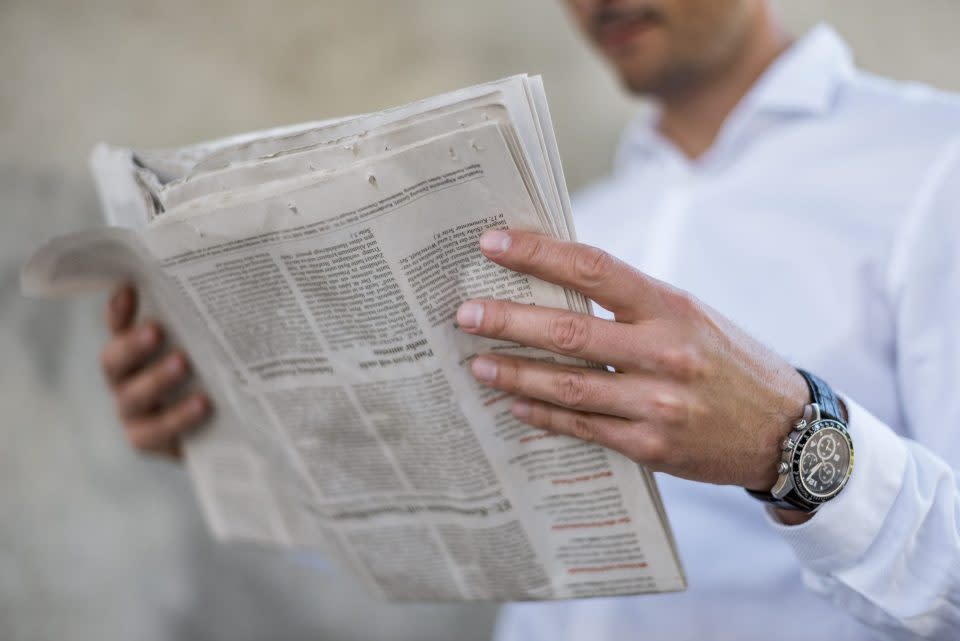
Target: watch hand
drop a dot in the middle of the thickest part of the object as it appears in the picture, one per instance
(813, 471)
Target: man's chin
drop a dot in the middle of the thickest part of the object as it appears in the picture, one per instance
(640, 70)
(640, 84)
(660, 82)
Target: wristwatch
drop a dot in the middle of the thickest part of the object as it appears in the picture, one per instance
(817, 457)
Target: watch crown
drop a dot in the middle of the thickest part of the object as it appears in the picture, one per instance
(783, 468)
(788, 444)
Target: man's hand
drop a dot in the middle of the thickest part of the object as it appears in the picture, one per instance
(144, 380)
(691, 394)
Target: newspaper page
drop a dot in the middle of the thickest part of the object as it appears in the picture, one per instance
(320, 312)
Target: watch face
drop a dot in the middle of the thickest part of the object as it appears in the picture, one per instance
(825, 458)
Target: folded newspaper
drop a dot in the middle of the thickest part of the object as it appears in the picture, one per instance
(313, 274)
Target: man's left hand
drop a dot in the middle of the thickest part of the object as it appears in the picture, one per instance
(690, 394)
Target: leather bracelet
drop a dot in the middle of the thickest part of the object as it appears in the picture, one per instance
(823, 395)
(799, 505)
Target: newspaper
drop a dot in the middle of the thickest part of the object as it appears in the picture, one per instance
(313, 274)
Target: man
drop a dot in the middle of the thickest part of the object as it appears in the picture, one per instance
(815, 209)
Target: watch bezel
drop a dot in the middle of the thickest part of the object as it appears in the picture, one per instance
(798, 485)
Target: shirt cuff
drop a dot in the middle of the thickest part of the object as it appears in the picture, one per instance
(840, 532)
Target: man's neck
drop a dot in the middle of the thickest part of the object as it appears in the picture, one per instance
(691, 120)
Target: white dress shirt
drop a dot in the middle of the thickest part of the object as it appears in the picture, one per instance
(825, 221)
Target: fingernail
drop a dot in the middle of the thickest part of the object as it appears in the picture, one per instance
(175, 365)
(484, 368)
(470, 315)
(198, 406)
(495, 242)
(147, 337)
(120, 301)
(521, 409)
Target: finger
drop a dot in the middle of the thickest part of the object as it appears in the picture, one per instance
(121, 308)
(146, 389)
(589, 390)
(559, 331)
(636, 440)
(129, 350)
(173, 451)
(160, 432)
(627, 292)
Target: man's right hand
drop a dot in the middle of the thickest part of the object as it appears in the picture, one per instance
(144, 379)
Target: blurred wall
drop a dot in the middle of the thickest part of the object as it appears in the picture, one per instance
(96, 543)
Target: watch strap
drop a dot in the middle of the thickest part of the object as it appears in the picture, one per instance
(823, 396)
(791, 501)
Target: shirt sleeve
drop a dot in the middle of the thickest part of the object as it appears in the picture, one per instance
(887, 549)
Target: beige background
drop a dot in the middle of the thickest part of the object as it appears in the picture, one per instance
(96, 543)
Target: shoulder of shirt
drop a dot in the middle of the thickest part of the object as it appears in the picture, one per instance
(912, 121)
(924, 124)
(923, 107)
(917, 117)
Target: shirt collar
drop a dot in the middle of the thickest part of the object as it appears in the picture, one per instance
(805, 77)
(803, 80)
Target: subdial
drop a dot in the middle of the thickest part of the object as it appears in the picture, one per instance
(808, 462)
(827, 473)
(827, 447)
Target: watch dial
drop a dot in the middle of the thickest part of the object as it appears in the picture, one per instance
(824, 462)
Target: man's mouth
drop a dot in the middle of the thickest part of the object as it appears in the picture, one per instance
(614, 29)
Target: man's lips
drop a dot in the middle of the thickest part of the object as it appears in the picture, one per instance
(617, 31)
